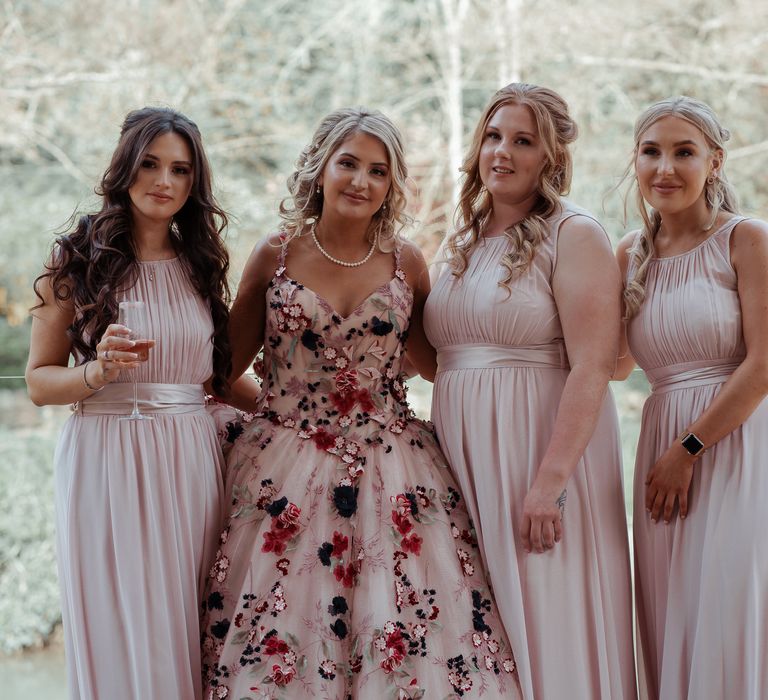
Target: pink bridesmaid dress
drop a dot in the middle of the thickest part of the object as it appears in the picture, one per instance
(138, 509)
(502, 367)
(702, 583)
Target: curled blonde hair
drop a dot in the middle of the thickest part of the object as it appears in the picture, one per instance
(305, 202)
(556, 129)
(719, 194)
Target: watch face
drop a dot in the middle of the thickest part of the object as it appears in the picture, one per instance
(691, 443)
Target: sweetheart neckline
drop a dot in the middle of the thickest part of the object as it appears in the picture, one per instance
(330, 306)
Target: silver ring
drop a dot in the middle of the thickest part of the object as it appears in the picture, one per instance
(106, 355)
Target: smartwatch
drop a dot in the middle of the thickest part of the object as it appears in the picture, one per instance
(692, 444)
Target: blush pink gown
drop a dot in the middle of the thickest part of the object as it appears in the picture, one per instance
(701, 584)
(347, 568)
(502, 368)
(138, 510)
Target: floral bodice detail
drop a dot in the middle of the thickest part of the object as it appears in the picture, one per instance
(336, 380)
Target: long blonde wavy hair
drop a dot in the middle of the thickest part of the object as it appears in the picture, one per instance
(556, 130)
(719, 194)
(305, 203)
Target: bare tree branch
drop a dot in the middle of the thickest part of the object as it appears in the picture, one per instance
(746, 151)
(669, 67)
(42, 141)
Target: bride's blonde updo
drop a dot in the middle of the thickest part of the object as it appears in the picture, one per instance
(305, 202)
(718, 192)
(556, 130)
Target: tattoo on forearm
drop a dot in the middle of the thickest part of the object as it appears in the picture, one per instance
(561, 502)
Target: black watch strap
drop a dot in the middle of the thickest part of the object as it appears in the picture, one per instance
(692, 444)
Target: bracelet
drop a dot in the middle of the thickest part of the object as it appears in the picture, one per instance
(85, 378)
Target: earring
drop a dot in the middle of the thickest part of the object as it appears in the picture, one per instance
(711, 179)
(318, 189)
(384, 207)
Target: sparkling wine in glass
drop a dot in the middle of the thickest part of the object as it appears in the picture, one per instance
(134, 316)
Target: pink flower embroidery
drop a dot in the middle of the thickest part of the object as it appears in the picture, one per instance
(290, 516)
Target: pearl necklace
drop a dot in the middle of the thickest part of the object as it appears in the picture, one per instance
(344, 263)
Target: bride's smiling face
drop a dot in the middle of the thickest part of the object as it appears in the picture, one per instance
(356, 178)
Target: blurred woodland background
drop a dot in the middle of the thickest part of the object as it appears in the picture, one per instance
(256, 76)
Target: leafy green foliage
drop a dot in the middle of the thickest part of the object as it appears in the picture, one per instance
(14, 345)
(29, 594)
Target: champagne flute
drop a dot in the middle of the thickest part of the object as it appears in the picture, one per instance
(134, 316)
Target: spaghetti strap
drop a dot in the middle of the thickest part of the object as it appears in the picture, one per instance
(398, 250)
(399, 272)
(281, 256)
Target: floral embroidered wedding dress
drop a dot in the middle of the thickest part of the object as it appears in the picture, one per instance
(348, 567)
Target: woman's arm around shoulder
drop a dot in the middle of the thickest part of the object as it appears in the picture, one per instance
(625, 363)
(248, 314)
(419, 352)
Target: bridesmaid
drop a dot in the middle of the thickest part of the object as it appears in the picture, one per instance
(138, 503)
(697, 323)
(525, 318)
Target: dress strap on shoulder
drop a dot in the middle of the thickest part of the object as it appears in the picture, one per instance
(283, 251)
(727, 228)
(399, 272)
(722, 237)
(398, 251)
(567, 210)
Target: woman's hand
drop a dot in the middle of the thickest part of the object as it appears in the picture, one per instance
(668, 481)
(543, 507)
(113, 353)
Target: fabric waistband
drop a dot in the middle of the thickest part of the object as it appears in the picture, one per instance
(117, 399)
(686, 375)
(490, 356)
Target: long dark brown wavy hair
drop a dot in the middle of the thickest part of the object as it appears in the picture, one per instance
(92, 263)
